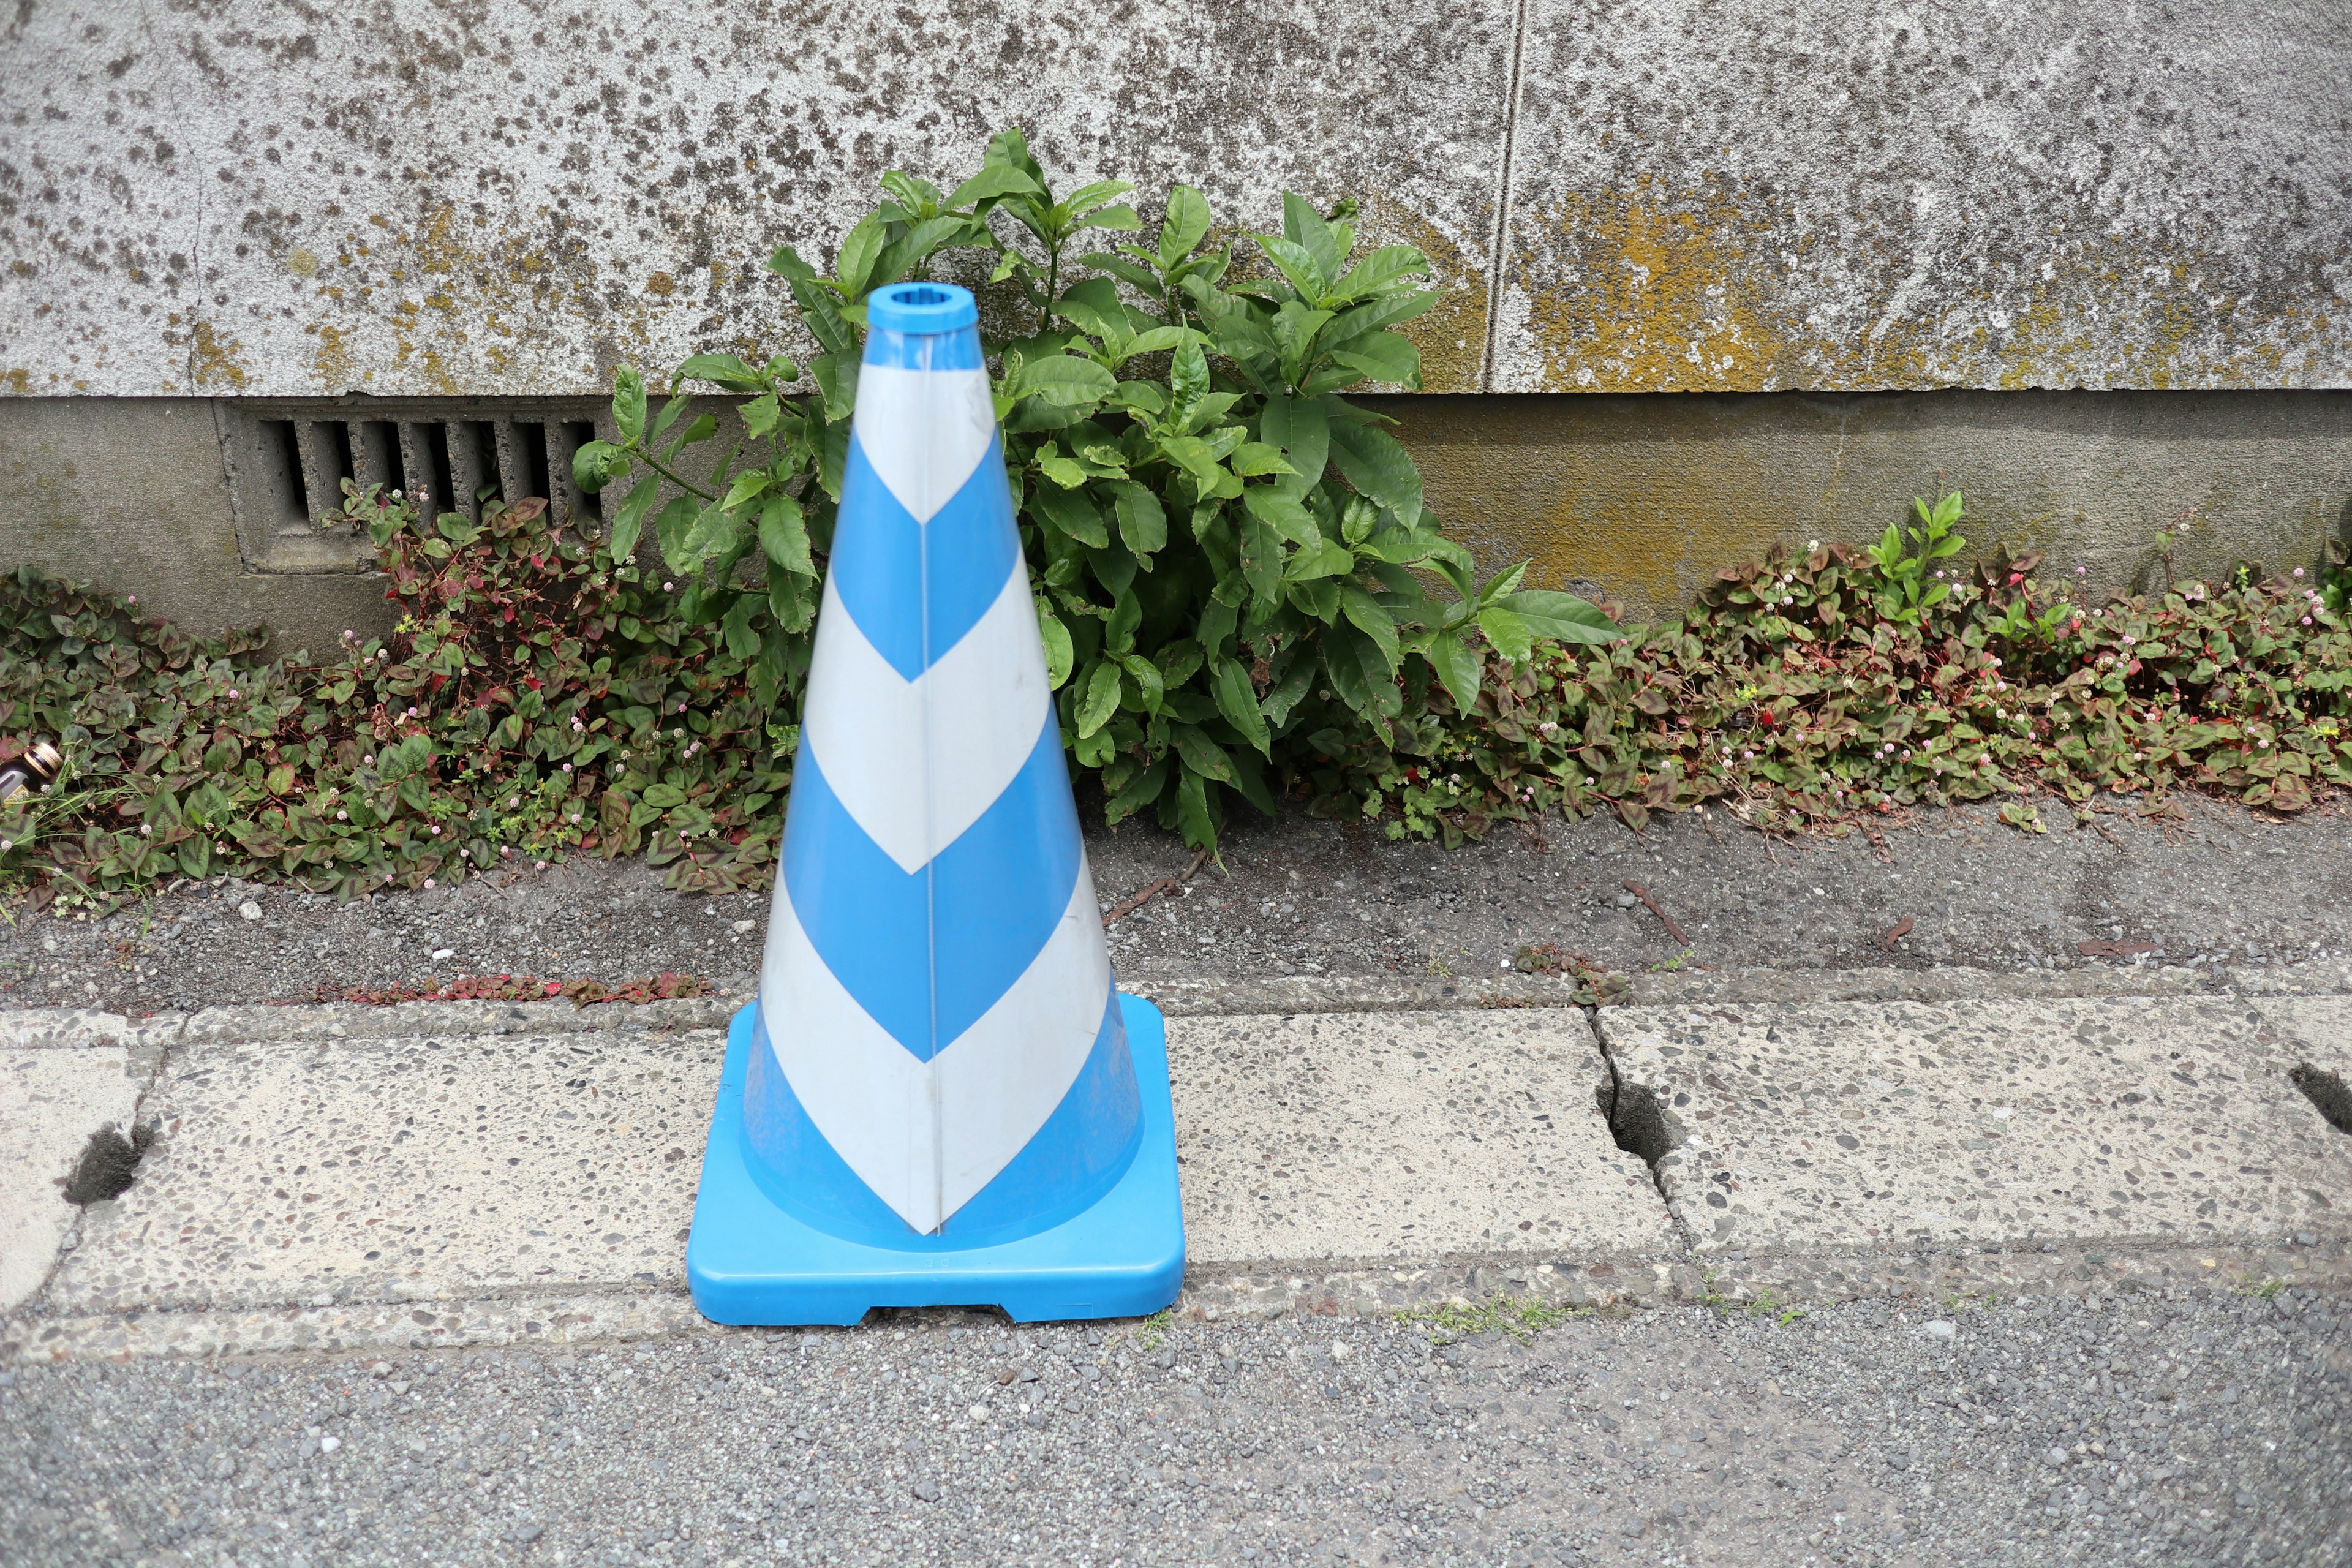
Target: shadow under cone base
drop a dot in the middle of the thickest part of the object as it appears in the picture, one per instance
(751, 1263)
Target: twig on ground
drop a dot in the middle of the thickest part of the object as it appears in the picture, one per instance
(1643, 893)
(1902, 929)
(1152, 890)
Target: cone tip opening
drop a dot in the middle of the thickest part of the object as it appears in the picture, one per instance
(921, 307)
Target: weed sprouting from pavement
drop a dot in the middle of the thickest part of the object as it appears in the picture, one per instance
(1519, 1318)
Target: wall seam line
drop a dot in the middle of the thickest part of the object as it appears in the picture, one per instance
(1494, 263)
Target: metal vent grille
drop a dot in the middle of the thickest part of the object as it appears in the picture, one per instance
(287, 468)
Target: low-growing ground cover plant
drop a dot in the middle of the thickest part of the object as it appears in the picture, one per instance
(534, 705)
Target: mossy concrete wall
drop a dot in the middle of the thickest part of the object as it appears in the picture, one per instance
(505, 199)
(1641, 496)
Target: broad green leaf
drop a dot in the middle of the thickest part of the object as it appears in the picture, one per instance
(1120, 218)
(784, 534)
(1380, 467)
(761, 415)
(1187, 224)
(1366, 614)
(1261, 556)
(1217, 620)
(1193, 453)
(629, 404)
(1358, 673)
(1058, 651)
(1073, 512)
(1301, 428)
(1188, 383)
(1087, 199)
(1100, 698)
(1192, 812)
(725, 370)
(1137, 793)
(1384, 356)
(1270, 505)
(748, 486)
(1507, 630)
(1148, 683)
(1256, 459)
(1298, 265)
(1202, 754)
(833, 460)
(1157, 340)
(1059, 469)
(457, 528)
(1457, 665)
(1375, 272)
(1297, 679)
(1303, 227)
(993, 181)
(1064, 380)
(1320, 557)
(1295, 326)
(673, 530)
(736, 627)
(630, 519)
(1142, 278)
(1143, 521)
(861, 248)
(1561, 618)
(902, 255)
(1237, 701)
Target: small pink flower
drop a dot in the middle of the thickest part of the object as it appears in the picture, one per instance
(343, 816)
(437, 833)
(428, 882)
(146, 830)
(2298, 571)
(232, 691)
(567, 767)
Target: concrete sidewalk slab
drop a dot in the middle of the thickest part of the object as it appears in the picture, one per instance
(404, 1169)
(51, 1101)
(1402, 1135)
(334, 1172)
(1905, 1125)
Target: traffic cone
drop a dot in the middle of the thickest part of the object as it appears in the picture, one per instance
(939, 1097)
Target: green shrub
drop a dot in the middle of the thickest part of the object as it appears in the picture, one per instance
(1232, 563)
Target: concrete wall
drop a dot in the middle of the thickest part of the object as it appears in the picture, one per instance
(503, 199)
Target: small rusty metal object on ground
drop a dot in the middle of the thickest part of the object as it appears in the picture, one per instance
(2114, 949)
(1901, 929)
(1643, 893)
(1152, 890)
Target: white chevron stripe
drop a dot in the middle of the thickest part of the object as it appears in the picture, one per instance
(1003, 1076)
(918, 762)
(926, 1137)
(924, 431)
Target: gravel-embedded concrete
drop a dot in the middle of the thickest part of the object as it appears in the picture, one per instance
(2179, 1427)
(2173, 1118)
(1402, 1135)
(51, 1102)
(465, 1165)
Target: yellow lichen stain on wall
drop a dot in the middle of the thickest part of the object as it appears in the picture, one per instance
(1654, 295)
(214, 363)
(1704, 289)
(332, 367)
(17, 381)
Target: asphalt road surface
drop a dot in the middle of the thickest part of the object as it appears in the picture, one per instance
(2198, 1426)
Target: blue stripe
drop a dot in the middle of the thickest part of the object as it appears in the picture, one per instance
(956, 350)
(1075, 1157)
(1080, 1153)
(883, 559)
(992, 898)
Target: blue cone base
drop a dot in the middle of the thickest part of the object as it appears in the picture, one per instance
(751, 1263)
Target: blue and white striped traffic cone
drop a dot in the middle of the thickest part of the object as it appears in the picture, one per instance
(939, 1096)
